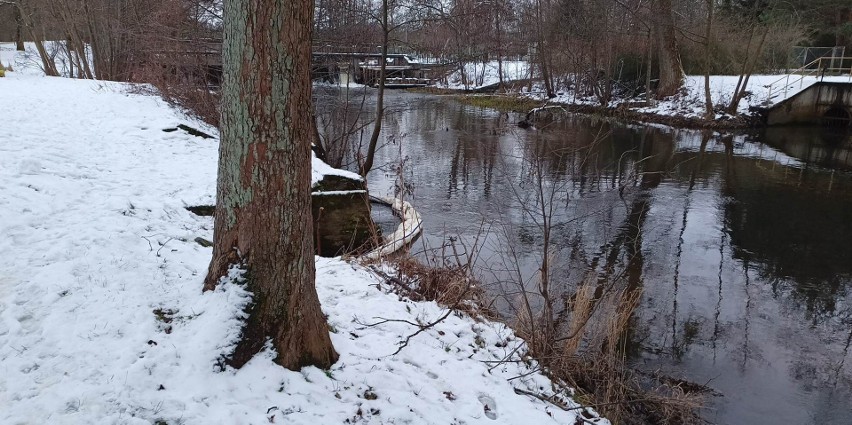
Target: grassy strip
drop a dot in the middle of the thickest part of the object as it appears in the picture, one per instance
(501, 103)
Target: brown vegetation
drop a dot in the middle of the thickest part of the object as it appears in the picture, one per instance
(590, 356)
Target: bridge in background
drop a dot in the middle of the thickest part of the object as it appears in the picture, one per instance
(401, 70)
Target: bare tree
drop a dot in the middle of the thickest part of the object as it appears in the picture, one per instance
(263, 191)
(542, 48)
(19, 34)
(380, 97)
(751, 56)
(671, 70)
(708, 39)
(32, 21)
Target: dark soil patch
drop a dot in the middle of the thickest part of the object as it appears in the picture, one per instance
(192, 131)
(202, 210)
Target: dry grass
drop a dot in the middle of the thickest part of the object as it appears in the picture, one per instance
(450, 286)
(581, 313)
(184, 87)
(589, 352)
(501, 103)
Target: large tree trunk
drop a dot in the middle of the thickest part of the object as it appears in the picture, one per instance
(709, 113)
(542, 52)
(19, 36)
(498, 26)
(263, 208)
(671, 70)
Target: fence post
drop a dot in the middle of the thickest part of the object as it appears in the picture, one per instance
(786, 85)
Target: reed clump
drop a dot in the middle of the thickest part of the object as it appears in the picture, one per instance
(587, 351)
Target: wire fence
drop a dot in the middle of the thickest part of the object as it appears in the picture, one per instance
(802, 56)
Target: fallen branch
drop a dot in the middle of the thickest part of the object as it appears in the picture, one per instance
(403, 344)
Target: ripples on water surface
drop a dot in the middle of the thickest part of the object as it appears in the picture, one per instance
(742, 245)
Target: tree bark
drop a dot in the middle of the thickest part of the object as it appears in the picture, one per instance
(263, 209)
(671, 70)
(19, 23)
(498, 26)
(542, 52)
(709, 113)
(649, 62)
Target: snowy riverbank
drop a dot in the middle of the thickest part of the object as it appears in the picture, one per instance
(102, 318)
(685, 109)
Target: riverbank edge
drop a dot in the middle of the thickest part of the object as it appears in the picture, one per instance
(459, 291)
(523, 104)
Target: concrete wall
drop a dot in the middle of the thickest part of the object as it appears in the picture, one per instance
(342, 219)
(810, 105)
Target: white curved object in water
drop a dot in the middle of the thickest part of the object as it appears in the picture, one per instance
(408, 230)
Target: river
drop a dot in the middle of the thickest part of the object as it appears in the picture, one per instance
(741, 243)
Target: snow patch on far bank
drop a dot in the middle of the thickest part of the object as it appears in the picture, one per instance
(761, 91)
(29, 62)
(477, 74)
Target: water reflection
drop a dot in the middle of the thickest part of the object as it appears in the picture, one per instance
(828, 147)
(740, 244)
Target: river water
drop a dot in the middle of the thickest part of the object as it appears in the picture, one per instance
(741, 244)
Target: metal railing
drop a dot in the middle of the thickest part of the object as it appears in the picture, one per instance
(819, 67)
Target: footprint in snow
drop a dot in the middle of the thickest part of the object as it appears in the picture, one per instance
(489, 406)
(27, 323)
(29, 167)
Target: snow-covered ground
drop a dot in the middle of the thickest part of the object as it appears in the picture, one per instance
(29, 62)
(477, 74)
(763, 90)
(102, 318)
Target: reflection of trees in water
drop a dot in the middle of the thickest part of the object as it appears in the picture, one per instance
(476, 150)
(678, 346)
(635, 163)
(795, 237)
(827, 147)
(776, 228)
